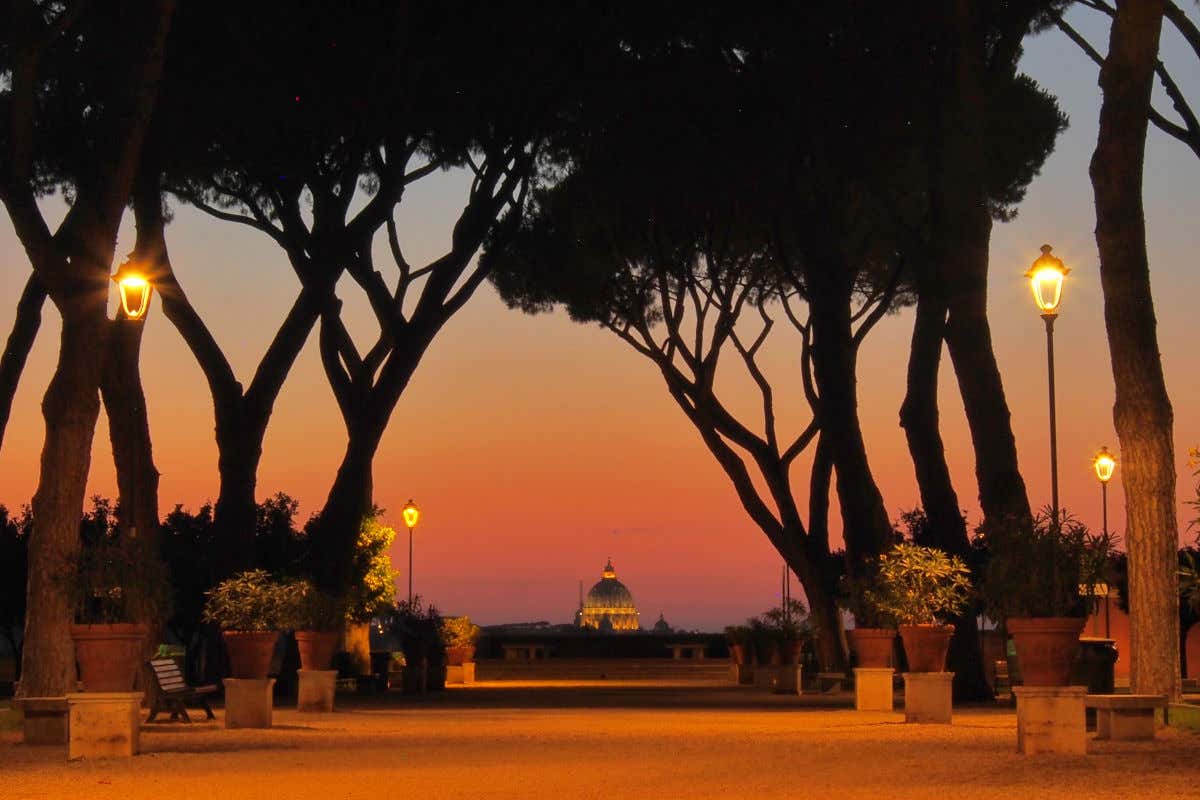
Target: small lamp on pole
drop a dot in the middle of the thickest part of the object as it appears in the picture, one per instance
(134, 289)
(412, 515)
(1046, 279)
(1105, 464)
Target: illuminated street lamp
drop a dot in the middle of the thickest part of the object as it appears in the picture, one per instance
(1046, 279)
(1105, 464)
(134, 290)
(411, 515)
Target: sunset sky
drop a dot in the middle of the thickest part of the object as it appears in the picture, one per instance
(537, 448)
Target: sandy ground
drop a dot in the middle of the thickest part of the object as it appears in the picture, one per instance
(604, 740)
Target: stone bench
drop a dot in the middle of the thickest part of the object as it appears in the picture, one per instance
(1125, 717)
(831, 681)
(525, 652)
(692, 650)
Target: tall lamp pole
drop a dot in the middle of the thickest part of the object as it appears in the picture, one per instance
(411, 515)
(1105, 464)
(1046, 278)
(134, 290)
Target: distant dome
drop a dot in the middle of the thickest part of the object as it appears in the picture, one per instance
(608, 603)
(662, 626)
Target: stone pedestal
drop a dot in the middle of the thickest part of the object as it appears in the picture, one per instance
(45, 719)
(315, 691)
(1050, 719)
(248, 702)
(928, 697)
(103, 724)
(873, 689)
(786, 679)
(741, 673)
(460, 673)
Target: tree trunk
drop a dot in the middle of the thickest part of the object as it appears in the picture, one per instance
(235, 516)
(70, 408)
(946, 529)
(1142, 413)
(865, 525)
(335, 535)
(20, 342)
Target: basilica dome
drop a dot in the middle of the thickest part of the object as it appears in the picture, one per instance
(608, 605)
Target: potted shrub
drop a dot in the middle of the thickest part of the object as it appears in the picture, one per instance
(117, 585)
(317, 620)
(458, 636)
(872, 640)
(1039, 581)
(417, 627)
(740, 649)
(789, 630)
(917, 586)
(250, 608)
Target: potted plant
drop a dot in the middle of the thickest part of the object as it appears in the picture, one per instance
(250, 608)
(117, 585)
(317, 620)
(417, 627)
(917, 586)
(872, 640)
(740, 649)
(1039, 581)
(458, 635)
(789, 630)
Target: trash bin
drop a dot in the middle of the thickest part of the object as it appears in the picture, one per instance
(1095, 666)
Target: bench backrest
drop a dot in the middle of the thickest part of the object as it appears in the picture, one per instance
(169, 676)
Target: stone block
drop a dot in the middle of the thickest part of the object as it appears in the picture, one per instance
(45, 719)
(248, 702)
(785, 679)
(742, 674)
(873, 689)
(1051, 719)
(928, 697)
(315, 691)
(460, 673)
(1124, 724)
(103, 724)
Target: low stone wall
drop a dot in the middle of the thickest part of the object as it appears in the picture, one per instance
(588, 669)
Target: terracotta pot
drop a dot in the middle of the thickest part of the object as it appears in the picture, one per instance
(250, 652)
(789, 652)
(109, 655)
(873, 646)
(316, 648)
(1046, 648)
(457, 656)
(738, 654)
(926, 646)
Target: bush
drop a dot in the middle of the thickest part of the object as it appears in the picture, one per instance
(459, 632)
(310, 609)
(118, 579)
(918, 585)
(250, 601)
(1044, 569)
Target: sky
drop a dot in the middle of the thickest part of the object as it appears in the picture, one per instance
(538, 448)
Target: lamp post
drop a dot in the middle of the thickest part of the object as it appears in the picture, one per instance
(134, 290)
(411, 515)
(1105, 464)
(1046, 278)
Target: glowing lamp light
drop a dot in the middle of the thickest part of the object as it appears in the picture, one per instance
(134, 290)
(411, 514)
(1046, 278)
(1105, 464)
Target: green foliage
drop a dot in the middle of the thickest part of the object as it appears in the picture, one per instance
(310, 609)
(116, 578)
(737, 634)
(1044, 569)
(250, 601)
(918, 585)
(376, 593)
(1189, 581)
(459, 632)
(1194, 463)
(418, 627)
(789, 624)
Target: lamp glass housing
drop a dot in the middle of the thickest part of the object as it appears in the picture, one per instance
(135, 294)
(411, 514)
(1046, 279)
(1105, 465)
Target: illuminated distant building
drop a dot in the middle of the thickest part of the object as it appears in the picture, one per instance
(608, 605)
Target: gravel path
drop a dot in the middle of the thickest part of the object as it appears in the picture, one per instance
(626, 741)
